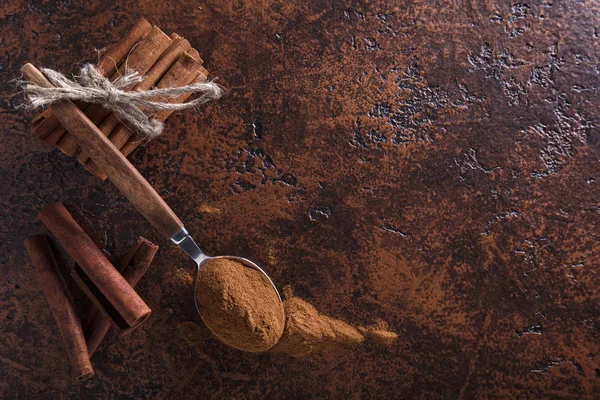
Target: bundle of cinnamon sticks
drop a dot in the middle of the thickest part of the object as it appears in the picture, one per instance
(111, 289)
(164, 61)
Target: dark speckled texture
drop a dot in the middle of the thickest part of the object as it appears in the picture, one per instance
(436, 166)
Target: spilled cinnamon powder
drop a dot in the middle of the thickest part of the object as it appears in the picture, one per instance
(307, 332)
(239, 305)
(379, 333)
(195, 337)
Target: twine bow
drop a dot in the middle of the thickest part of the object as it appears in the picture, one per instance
(92, 87)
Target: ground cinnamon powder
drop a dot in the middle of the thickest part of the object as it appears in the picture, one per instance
(195, 337)
(379, 333)
(307, 332)
(239, 305)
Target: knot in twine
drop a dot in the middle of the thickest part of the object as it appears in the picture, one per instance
(92, 87)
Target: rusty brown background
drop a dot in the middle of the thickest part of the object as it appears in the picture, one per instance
(434, 164)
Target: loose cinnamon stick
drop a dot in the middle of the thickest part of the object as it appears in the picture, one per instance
(132, 266)
(56, 292)
(177, 48)
(183, 72)
(45, 123)
(140, 59)
(106, 287)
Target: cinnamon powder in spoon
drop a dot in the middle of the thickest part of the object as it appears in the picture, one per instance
(239, 305)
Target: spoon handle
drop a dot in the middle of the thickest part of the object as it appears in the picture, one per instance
(116, 166)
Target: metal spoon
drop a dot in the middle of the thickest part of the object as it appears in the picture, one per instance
(127, 178)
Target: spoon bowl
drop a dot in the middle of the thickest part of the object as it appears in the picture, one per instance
(234, 299)
(187, 244)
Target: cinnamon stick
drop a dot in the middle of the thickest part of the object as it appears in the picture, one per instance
(194, 53)
(56, 292)
(133, 142)
(140, 59)
(132, 266)
(183, 72)
(45, 123)
(109, 291)
(178, 46)
(116, 53)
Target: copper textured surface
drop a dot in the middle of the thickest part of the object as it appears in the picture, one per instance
(435, 166)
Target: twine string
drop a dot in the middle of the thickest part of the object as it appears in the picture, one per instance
(92, 87)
